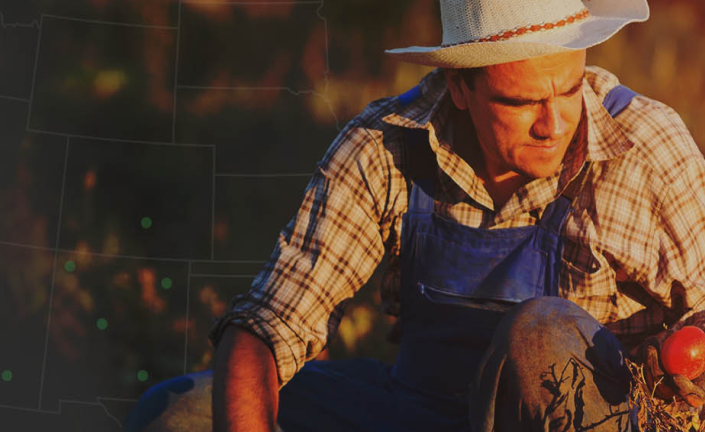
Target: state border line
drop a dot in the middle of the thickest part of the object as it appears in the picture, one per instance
(35, 410)
(34, 24)
(115, 23)
(105, 408)
(213, 205)
(176, 74)
(53, 275)
(120, 140)
(229, 262)
(264, 175)
(251, 3)
(61, 401)
(34, 73)
(13, 98)
(59, 411)
(326, 72)
(134, 257)
(253, 88)
(100, 398)
(325, 33)
(188, 305)
(287, 89)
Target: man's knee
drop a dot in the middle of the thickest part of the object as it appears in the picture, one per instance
(549, 360)
(547, 311)
(546, 324)
(549, 334)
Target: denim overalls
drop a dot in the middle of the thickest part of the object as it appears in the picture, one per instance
(457, 283)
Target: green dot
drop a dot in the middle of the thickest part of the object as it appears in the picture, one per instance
(166, 283)
(102, 323)
(7, 375)
(146, 222)
(142, 375)
(70, 266)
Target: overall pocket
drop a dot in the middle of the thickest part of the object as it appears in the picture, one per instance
(579, 283)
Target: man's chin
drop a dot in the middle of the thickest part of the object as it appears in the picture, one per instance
(538, 172)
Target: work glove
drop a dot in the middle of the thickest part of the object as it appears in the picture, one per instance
(667, 386)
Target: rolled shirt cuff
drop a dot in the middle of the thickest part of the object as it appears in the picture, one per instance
(287, 348)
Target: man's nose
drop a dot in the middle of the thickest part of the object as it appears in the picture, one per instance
(549, 124)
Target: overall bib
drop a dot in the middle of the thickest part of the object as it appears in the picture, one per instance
(458, 283)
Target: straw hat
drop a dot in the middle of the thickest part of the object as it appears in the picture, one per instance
(485, 32)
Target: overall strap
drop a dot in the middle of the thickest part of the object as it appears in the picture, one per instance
(555, 214)
(618, 99)
(421, 201)
(410, 96)
(422, 170)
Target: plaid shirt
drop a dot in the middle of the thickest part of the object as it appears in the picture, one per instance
(635, 242)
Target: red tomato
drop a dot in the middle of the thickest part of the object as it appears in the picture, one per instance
(683, 352)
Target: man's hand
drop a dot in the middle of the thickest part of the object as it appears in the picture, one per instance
(667, 386)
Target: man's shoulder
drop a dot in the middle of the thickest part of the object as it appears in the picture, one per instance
(377, 132)
(416, 104)
(660, 137)
(600, 80)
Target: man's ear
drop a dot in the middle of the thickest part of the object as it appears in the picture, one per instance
(455, 86)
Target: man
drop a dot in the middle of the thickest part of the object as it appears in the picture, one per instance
(541, 219)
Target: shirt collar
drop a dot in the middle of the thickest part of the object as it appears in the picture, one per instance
(605, 137)
(431, 111)
(599, 138)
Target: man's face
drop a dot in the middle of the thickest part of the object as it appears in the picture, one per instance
(525, 113)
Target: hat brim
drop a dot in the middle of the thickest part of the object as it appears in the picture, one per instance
(590, 32)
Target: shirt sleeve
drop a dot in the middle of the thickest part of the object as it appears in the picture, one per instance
(654, 233)
(677, 277)
(327, 251)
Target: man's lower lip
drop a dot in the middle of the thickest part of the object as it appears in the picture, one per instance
(545, 148)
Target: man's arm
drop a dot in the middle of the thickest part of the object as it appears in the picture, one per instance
(321, 258)
(325, 253)
(675, 276)
(245, 384)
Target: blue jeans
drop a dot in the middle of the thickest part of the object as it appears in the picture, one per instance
(550, 367)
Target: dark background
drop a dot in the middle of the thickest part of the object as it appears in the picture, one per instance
(150, 151)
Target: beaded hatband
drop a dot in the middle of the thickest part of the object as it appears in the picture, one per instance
(529, 29)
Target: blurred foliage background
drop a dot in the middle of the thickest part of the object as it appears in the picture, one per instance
(150, 151)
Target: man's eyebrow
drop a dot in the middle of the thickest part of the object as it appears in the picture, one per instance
(576, 87)
(524, 101)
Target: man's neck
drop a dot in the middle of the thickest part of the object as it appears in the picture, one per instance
(499, 185)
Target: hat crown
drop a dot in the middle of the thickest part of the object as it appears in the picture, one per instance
(471, 20)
